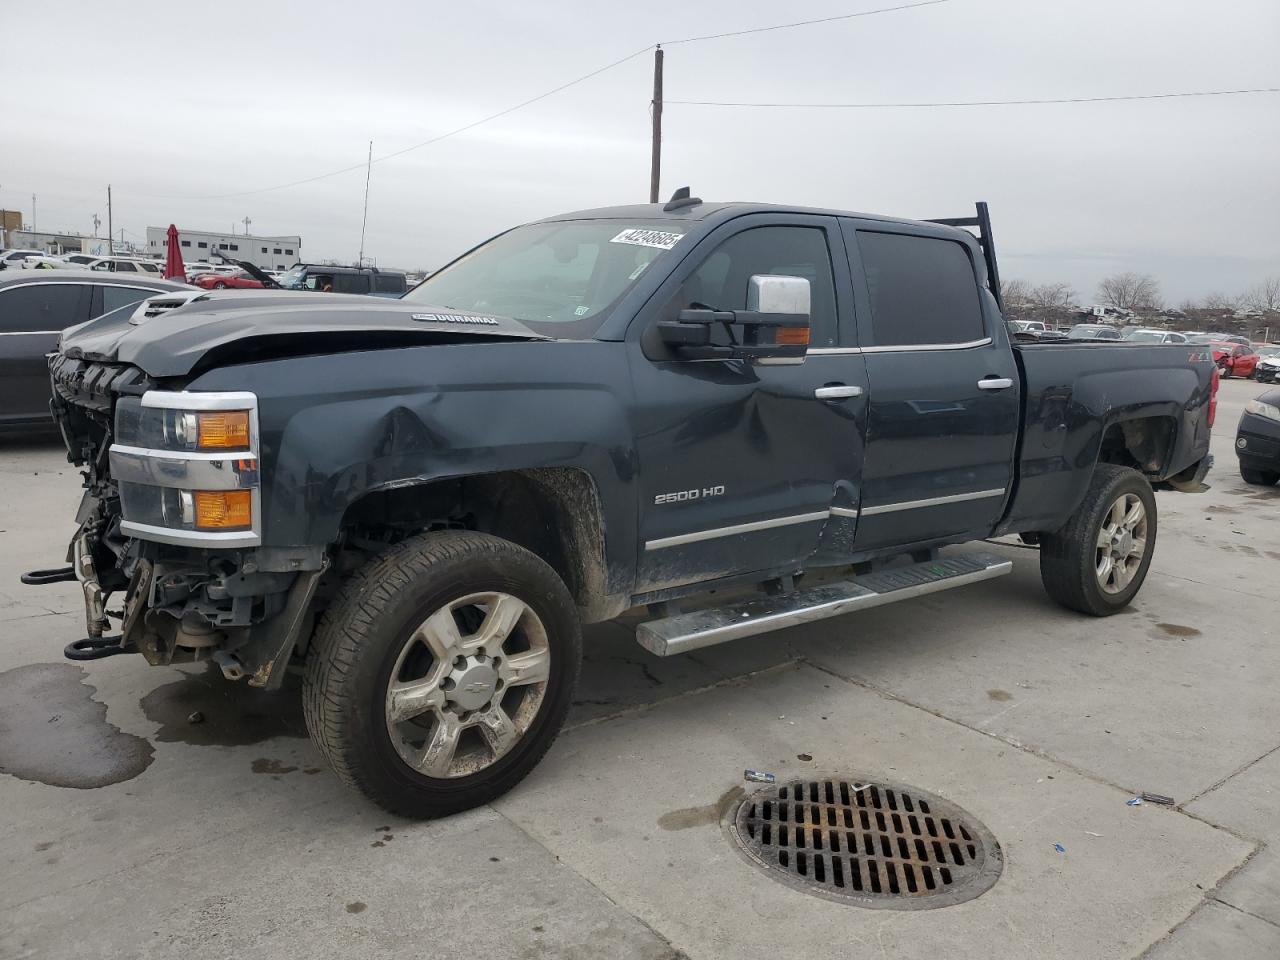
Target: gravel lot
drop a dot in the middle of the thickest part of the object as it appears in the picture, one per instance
(208, 840)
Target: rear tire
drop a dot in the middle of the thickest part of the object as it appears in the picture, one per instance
(442, 672)
(1263, 478)
(1093, 564)
(219, 285)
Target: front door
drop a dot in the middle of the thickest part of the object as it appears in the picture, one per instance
(943, 418)
(741, 463)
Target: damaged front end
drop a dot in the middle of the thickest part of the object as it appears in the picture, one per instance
(171, 521)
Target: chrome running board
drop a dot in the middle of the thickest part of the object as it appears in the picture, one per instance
(703, 628)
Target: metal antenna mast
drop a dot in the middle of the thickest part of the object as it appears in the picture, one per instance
(368, 172)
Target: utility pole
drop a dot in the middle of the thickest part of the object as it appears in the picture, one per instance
(33, 211)
(110, 229)
(247, 221)
(368, 172)
(97, 221)
(655, 162)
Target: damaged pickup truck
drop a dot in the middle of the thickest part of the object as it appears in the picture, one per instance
(717, 419)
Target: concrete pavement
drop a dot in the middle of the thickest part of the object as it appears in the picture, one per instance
(216, 839)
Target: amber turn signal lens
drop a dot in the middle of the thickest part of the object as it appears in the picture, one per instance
(223, 509)
(223, 430)
(793, 336)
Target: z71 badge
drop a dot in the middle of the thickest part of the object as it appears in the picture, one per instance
(682, 496)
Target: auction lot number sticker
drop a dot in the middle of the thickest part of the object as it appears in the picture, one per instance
(648, 238)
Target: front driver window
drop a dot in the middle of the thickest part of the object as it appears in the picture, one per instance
(720, 281)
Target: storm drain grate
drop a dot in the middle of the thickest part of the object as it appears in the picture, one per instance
(874, 844)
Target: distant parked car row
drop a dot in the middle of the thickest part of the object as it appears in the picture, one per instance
(39, 260)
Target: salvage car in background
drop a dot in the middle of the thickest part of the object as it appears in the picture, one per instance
(1268, 368)
(35, 307)
(10, 259)
(238, 280)
(324, 278)
(127, 265)
(1155, 336)
(1235, 359)
(1093, 331)
(1258, 440)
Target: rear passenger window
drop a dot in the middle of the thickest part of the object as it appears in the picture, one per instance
(113, 298)
(40, 307)
(388, 283)
(922, 290)
(351, 283)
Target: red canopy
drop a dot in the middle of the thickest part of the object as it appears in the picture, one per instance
(173, 269)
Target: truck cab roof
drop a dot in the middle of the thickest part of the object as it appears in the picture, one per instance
(719, 211)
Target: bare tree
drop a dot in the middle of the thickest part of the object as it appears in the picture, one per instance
(1265, 296)
(1052, 295)
(1217, 300)
(1015, 292)
(1130, 291)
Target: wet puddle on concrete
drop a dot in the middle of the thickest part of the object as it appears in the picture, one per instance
(52, 731)
(702, 816)
(228, 714)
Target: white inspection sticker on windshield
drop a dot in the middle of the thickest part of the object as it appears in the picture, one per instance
(648, 238)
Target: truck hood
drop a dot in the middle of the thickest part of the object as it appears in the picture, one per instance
(243, 326)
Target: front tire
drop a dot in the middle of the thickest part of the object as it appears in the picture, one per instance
(1098, 561)
(442, 672)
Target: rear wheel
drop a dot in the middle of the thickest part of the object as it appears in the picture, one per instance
(219, 285)
(442, 672)
(1098, 561)
(1265, 478)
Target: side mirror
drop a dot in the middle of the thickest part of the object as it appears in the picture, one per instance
(774, 328)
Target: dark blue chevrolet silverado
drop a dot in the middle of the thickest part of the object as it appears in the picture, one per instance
(721, 419)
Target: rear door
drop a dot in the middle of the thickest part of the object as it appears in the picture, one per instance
(943, 387)
(32, 315)
(740, 464)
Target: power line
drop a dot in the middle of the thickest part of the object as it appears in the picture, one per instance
(974, 103)
(804, 23)
(436, 139)
(550, 93)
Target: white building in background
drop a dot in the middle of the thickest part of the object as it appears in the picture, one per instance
(270, 253)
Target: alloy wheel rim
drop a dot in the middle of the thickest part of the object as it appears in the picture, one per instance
(1121, 543)
(467, 685)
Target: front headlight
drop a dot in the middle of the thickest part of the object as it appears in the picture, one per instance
(187, 468)
(1260, 409)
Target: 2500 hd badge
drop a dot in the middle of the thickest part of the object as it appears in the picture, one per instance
(681, 496)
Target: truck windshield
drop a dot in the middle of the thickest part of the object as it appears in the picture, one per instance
(564, 275)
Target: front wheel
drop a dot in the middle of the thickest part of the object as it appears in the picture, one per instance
(1224, 371)
(442, 672)
(1097, 562)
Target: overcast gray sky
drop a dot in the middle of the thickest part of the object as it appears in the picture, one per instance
(175, 104)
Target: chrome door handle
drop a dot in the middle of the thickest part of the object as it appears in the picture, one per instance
(995, 383)
(837, 392)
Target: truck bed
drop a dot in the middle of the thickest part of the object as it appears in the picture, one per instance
(1074, 393)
